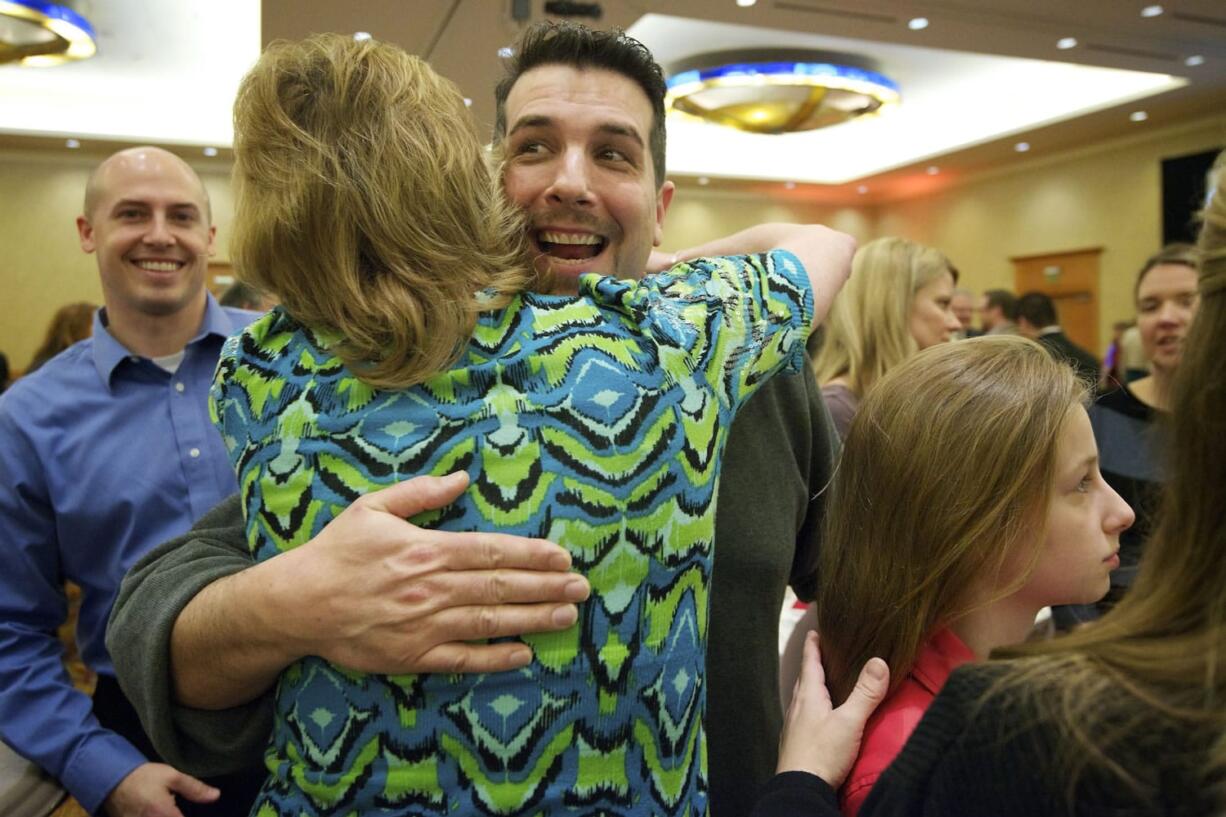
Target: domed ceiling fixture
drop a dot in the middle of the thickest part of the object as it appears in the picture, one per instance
(38, 33)
(779, 90)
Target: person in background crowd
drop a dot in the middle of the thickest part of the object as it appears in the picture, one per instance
(896, 303)
(1132, 355)
(962, 304)
(4, 372)
(71, 323)
(1018, 521)
(1113, 367)
(1037, 320)
(104, 451)
(1131, 420)
(1125, 716)
(998, 312)
(242, 295)
(566, 96)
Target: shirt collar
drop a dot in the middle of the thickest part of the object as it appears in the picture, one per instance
(940, 655)
(1049, 330)
(109, 352)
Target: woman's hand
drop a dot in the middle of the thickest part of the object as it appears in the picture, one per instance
(820, 739)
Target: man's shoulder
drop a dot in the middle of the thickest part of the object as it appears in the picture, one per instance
(70, 375)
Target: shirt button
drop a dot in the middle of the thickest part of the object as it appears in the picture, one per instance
(195, 452)
(179, 388)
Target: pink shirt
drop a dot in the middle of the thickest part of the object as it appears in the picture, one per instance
(898, 715)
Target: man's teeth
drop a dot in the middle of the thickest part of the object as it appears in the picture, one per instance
(550, 237)
(158, 266)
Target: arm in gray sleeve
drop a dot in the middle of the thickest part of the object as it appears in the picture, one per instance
(152, 596)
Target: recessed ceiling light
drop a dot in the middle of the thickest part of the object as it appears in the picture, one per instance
(1194, 60)
(933, 170)
(1065, 43)
(704, 181)
(745, 3)
(1151, 11)
(506, 51)
(210, 151)
(789, 185)
(1022, 147)
(917, 23)
(361, 36)
(72, 144)
(1138, 116)
(862, 189)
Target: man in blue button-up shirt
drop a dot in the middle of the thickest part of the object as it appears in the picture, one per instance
(104, 452)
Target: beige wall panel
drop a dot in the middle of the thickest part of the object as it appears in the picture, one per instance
(1110, 196)
(41, 265)
(698, 216)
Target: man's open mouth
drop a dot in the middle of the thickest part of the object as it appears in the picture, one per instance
(570, 246)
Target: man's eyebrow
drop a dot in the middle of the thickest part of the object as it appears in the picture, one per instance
(538, 121)
(614, 129)
(609, 128)
(179, 205)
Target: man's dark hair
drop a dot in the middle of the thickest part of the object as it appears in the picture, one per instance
(576, 46)
(1038, 309)
(1004, 299)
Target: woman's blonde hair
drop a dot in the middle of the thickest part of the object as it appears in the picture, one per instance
(868, 330)
(367, 205)
(942, 487)
(1157, 659)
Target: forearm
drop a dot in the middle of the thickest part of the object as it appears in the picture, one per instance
(227, 646)
(825, 254)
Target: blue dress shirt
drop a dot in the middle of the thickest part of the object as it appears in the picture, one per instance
(102, 456)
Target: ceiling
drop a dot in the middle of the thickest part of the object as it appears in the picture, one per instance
(170, 79)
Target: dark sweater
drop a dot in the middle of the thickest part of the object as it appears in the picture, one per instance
(1002, 760)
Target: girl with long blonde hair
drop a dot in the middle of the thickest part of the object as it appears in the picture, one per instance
(1123, 716)
(896, 303)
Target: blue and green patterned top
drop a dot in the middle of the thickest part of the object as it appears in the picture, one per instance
(596, 421)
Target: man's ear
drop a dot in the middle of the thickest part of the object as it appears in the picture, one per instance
(663, 198)
(212, 247)
(85, 232)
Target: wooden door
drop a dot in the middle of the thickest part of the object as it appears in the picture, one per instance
(1071, 279)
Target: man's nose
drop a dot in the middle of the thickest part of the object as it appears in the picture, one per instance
(159, 231)
(572, 182)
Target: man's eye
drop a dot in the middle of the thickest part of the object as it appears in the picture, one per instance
(613, 155)
(529, 148)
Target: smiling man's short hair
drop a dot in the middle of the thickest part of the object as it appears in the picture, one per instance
(580, 47)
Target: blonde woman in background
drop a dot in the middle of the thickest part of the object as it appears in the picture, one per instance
(896, 303)
(1123, 716)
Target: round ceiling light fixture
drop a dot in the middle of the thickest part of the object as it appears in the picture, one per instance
(778, 90)
(37, 33)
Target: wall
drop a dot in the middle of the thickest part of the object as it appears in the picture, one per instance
(41, 264)
(1108, 196)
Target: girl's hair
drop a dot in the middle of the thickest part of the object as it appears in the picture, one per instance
(943, 484)
(367, 205)
(1157, 658)
(868, 330)
(71, 323)
(1181, 254)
